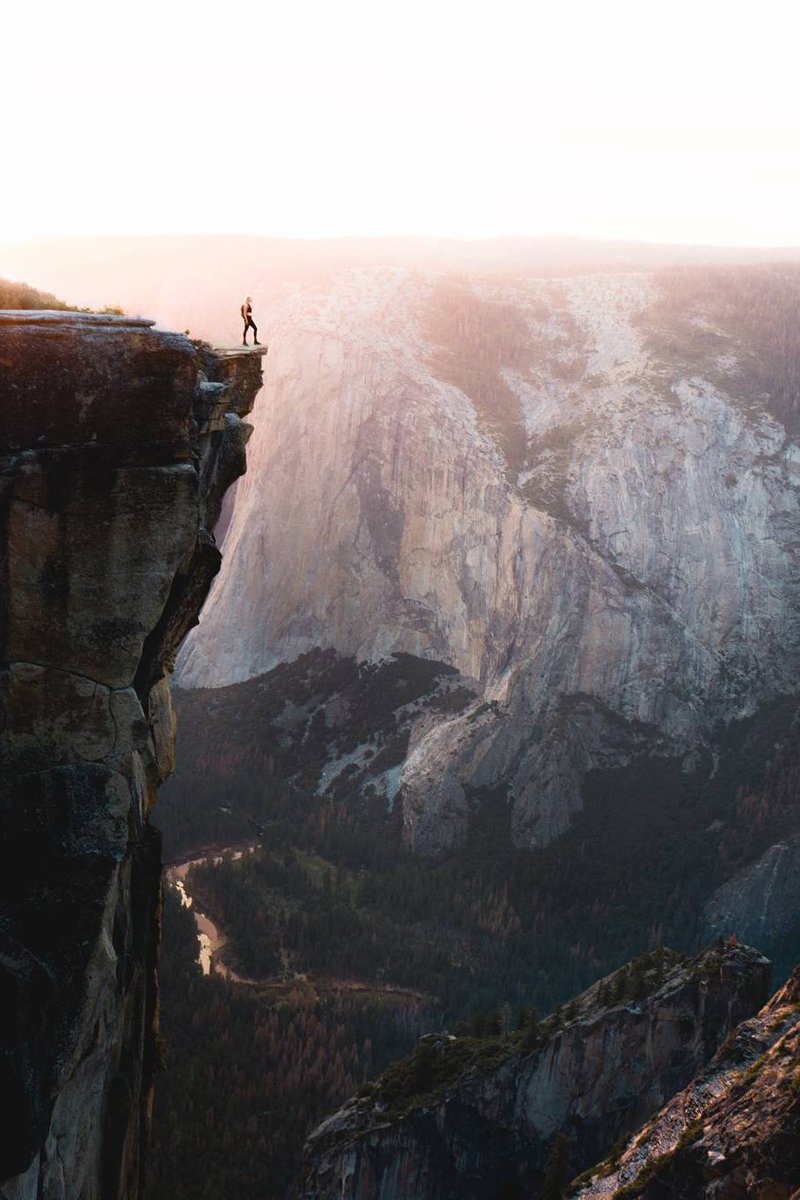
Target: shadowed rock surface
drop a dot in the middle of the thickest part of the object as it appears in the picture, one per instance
(116, 446)
(734, 1132)
(488, 1133)
(760, 902)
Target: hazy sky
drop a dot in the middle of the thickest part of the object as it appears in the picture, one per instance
(659, 120)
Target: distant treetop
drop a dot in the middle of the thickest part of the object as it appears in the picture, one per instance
(22, 295)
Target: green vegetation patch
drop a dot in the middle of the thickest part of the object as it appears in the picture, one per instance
(22, 295)
(639, 978)
(438, 1062)
(751, 313)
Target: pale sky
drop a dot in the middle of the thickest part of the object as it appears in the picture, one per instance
(670, 121)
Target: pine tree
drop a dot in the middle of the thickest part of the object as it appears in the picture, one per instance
(556, 1175)
(532, 1033)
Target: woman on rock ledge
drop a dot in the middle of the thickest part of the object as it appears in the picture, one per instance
(247, 316)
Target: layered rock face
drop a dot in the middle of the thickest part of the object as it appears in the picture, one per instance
(760, 903)
(116, 446)
(577, 492)
(488, 1135)
(733, 1132)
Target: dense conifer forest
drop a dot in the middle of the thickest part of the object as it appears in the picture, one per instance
(247, 1073)
(360, 948)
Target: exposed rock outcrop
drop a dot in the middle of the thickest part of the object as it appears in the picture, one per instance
(488, 1133)
(116, 446)
(760, 902)
(733, 1132)
(581, 493)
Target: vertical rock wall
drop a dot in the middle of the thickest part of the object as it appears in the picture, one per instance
(514, 477)
(117, 443)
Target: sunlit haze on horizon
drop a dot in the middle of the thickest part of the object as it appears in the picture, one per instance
(663, 122)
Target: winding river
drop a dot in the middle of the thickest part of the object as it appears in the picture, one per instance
(211, 940)
(210, 937)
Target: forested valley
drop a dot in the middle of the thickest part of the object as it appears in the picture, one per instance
(357, 947)
(350, 946)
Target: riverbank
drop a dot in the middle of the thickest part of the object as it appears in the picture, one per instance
(212, 940)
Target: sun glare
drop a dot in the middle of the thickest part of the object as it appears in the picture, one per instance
(663, 122)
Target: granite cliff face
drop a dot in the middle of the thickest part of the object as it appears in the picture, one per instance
(583, 494)
(733, 1132)
(488, 1133)
(760, 902)
(116, 446)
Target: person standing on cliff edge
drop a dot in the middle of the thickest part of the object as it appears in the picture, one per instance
(247, 316)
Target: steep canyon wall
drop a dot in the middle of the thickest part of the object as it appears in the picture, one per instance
(117, 443)
(582, 493)
(488, 1134)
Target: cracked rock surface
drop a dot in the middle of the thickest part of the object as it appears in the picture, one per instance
(117, 444)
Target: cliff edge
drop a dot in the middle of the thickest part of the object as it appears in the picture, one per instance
(483, 1119)
(732, 1133)
(117, 444)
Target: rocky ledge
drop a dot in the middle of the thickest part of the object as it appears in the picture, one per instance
(468, 1119)
(117, 444)
(732, 1134)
